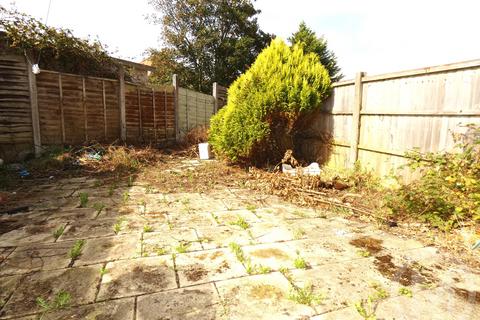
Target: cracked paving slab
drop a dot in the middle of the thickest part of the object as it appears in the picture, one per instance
(137, 276)
(81, 283)
(193, 303)
(260, 297)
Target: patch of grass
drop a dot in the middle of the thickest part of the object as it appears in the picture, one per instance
(125, 197)
(256, 269)
(251, 207)
(99, 207)
(298, 233)
(83, 199)
(160, 251)
(363, 253)
(286, 273)
(299, 213)
(405, 292)
(111, 190)
(182, 247)
(60, 301)
(130, 181)
(238, 251)
(149, 189)
(300, 263)
(58, 232)
(366, 308)
(241, 222)
(117, 227)
(76, 250)
(147, 228)
(215, 217)
(305, 295)
(103, 271)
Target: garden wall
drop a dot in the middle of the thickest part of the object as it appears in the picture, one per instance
(376, 119)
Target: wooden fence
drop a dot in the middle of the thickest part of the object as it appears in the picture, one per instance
(376, 119)
(54, 108)
(195, 108)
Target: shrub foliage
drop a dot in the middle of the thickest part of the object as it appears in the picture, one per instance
(447, 192)
(266, 103)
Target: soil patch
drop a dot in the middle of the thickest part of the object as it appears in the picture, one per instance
(195, 273)
(470, 296)
(370, 244)
(406, 275)
(270, 253)
(266, 291)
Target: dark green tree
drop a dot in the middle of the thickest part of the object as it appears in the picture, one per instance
(307, 38)
(213, 40)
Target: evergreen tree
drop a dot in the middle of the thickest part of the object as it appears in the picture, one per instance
(307, 38)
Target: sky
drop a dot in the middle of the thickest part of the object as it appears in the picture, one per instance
(373, 36)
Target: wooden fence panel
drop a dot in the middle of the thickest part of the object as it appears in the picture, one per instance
(133, 116)
(417, 109)
(195, 109)
(74, 110)
(50, 108)
(15, 115)
(113, 111)
(15, 112)
(95, 110)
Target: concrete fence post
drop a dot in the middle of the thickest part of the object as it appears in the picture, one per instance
(32, 84)
(175, 93)
(121, 103)
(356, 121)
(215, 96)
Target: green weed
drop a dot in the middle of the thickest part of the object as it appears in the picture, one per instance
(305, 295)
(58, 232)
(237, 250)
(241, 222)
(76, 250)
(147, 228)
(83, 199)
(300, 263)
(182, 247)
(103, 271)
(251, 207)
(405, 292)
(125, 197)
(298, 233)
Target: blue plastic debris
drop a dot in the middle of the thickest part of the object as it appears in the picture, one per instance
(476, 245)
(24, 173)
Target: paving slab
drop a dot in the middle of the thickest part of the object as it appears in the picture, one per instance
(267, 232)
(437, 304)
(5, 252)
(207, 266)
(7, 286)
(34, 233)
(190, 219)
(89, 229)
(260, 297)
(232, 216)
(110, 249)
(26, 259)
(222, 236)
(137, 276)
(272, 255)
(177, 240)
(121, 309)
(80, 283)
(193, 303)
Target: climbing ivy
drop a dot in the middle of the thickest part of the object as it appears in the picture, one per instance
(57, 48)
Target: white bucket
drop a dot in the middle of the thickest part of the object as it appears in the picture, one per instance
(204, 151)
